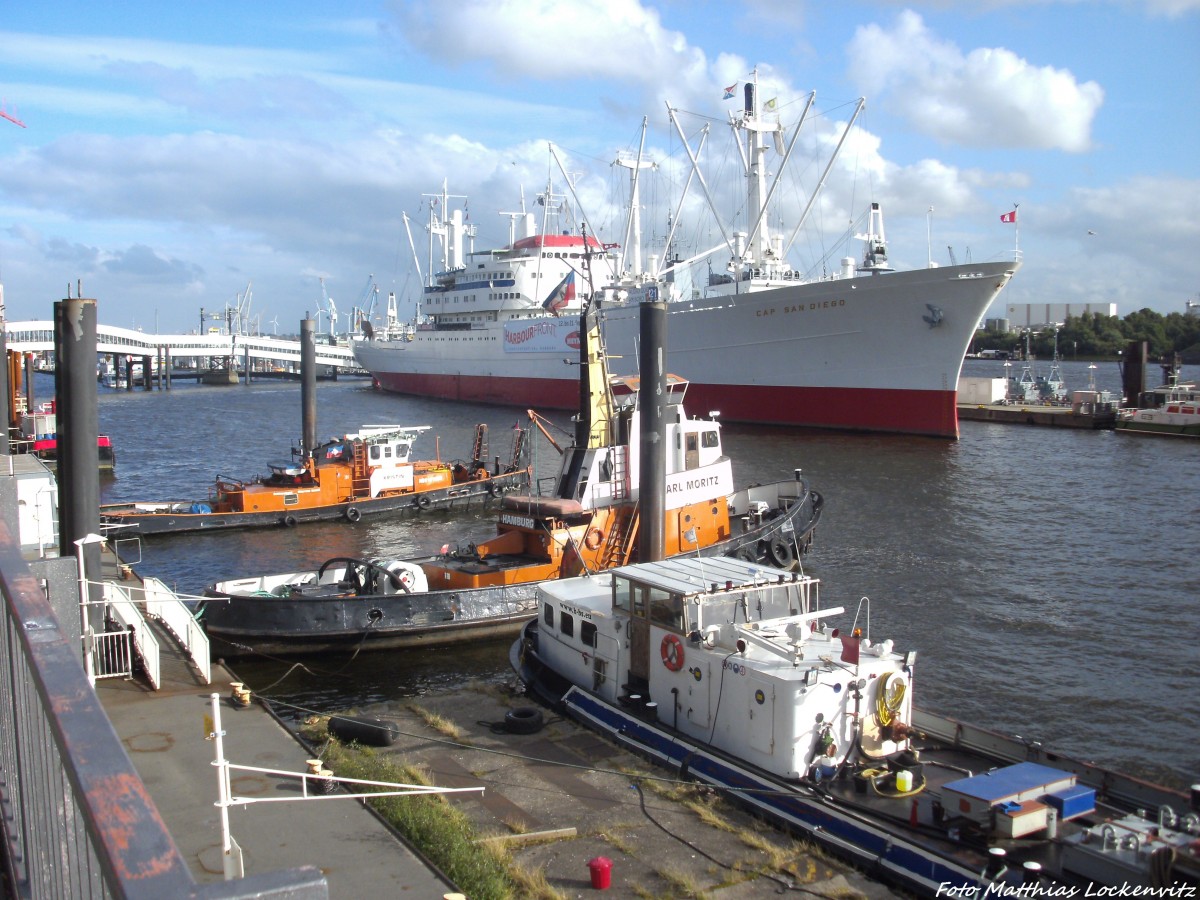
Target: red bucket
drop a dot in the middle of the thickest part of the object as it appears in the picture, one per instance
(601, 869)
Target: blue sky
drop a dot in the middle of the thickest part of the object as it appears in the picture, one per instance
(175, 154)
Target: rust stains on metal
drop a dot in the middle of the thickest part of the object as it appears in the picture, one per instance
(123, 809)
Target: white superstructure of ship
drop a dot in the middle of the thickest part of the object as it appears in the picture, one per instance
(866, 348)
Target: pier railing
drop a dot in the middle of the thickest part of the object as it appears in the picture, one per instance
(75, 818)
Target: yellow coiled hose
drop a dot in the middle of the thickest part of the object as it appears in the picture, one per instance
(888, 699)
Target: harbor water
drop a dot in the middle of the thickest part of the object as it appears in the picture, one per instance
(1045, 576)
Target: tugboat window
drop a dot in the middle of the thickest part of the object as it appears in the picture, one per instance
(566, 624)
(666, 609)
(548, 617)
(587, 634)
(622, 595)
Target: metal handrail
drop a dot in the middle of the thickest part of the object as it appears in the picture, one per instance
(78, 820)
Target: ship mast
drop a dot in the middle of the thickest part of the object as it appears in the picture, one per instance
(633, 228)
(756, 169)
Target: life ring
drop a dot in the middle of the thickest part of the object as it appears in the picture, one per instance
(289, 521)
(423, 501)
(672, 652)
(779, 552)
(592, 539)
(353, 514)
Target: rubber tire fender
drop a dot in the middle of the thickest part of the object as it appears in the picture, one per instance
(779, 552)
(523, 720)
(353, 514)
(370, 731)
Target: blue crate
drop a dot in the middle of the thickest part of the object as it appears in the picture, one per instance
(1073, 801)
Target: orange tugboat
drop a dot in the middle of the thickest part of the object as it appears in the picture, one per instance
(591, 521)
(360, 474)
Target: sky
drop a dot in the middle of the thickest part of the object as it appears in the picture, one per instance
(177, 161)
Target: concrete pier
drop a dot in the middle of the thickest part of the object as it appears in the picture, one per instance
(164, 734)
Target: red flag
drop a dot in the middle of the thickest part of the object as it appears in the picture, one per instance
(1009, 217)
(850, 648)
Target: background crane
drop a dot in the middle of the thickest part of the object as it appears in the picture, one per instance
(10, 116)
(238, 316)
(365, 310)
(331, 309)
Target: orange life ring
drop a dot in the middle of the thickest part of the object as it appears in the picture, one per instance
(592, 539)
(672, 652)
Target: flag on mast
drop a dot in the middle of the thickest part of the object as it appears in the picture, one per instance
(562, 295)
(1010, 217)
(729, 91)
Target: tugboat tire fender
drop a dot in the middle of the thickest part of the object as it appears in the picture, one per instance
(523, 720)
(353, 514)
(494, 489)
(423, 501)
(289, 521)
(779, 552)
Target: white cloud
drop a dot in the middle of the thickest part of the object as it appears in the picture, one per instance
(539, 38)
(622, 42)
(989, 97)
(1172, 8)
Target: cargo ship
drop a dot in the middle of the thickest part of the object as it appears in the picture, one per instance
(866, 348)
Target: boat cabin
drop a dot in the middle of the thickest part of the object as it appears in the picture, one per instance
(607, 475)
(732, 653)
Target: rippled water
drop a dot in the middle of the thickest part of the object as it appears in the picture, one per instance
(1046, 576)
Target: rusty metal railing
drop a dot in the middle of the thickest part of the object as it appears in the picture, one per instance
(75, 818)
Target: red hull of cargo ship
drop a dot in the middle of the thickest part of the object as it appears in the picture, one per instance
(931, 413)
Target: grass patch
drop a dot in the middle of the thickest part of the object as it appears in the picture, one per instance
(515, 824)
(532, 883)
(621, 842)
(444, 834)
(683, 884)
(437, 722)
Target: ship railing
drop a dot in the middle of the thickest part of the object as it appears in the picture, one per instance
(76, 820)
(163, 604)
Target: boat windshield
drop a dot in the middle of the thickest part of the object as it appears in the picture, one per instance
(660, 607)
